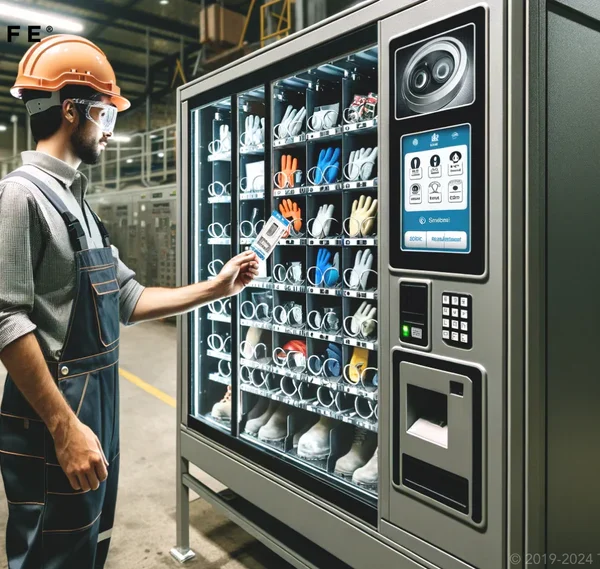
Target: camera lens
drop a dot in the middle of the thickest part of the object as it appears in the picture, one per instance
(420, 79)
(443, 68)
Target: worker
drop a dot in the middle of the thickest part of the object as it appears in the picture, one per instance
(63, 291)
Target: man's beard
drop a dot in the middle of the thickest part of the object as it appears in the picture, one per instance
(87, 148)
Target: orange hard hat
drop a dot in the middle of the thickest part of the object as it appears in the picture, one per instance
(64, 59)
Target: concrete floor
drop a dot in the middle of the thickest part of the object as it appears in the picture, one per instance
(145, 527)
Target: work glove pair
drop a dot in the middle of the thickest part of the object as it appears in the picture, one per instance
(291, 124)
(289, 174)
(361, 164)
(362, 322)
(326, 271)
(357, 277)
(362, 220)
(328, 167)
(223, 144)
(292, 212)
(254, 134)
(321, 225)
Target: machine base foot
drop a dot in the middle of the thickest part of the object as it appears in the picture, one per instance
(182, 556)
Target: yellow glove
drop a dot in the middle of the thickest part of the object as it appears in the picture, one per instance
(363, 217)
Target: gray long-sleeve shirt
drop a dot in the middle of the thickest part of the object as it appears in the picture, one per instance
(37, 261)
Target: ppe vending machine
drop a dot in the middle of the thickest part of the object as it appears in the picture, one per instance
(409, 382)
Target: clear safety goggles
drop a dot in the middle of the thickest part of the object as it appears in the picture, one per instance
(289, 314)
(327, 321)
(252, 311)
(101, 114)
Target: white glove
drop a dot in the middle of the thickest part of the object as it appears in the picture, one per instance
(253, 135)
(362, 218)
(225, 138)
(364, 320)
(322, 223)
(292, 121)
(359, 275)
(361, 163)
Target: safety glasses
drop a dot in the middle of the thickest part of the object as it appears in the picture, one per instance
(290, 274)
(251, 311)
(219, 189)
(289, 314)
(219, 343)
(222, 307)
(249, 229)
(328, 321)
(104, 116)
(256, 353)
(219, 230)
(214, 267)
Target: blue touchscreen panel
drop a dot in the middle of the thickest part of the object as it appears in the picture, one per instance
(436, 190)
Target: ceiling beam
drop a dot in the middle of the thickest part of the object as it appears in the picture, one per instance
(140, 17)
(127, 46)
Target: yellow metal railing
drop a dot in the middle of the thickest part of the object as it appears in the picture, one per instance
(284, 20)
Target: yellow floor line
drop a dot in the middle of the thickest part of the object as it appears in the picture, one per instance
(148, 388)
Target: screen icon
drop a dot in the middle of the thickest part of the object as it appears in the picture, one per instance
(435, 137)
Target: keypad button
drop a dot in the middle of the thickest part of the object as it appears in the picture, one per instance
(455, 336)
(446, 311)
(455, 324)
(464, 338)
(446, 334)
(445, 299)
(455, 313)
(455, 300)
(464, 301)
(464, 326)
(446, 323)
(464, 314)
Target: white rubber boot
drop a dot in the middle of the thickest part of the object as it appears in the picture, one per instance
(362, 450)
(314, 444)
(276, 429)
(253, 426)
(368, 475)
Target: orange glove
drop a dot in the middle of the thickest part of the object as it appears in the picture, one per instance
(290, 210)
(288, 166)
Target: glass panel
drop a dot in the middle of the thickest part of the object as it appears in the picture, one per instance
(211, 223)
(309, 335)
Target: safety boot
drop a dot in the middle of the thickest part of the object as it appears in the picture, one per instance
(314, 444)
(368, 475)
(222, 409)
(276, 428)
(363, 447)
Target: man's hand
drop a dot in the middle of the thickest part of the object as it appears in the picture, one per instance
(238, 273)
(81, 456)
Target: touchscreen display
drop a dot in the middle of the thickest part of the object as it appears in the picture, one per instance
(436, 190)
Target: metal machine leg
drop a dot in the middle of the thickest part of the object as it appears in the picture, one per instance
(182, 551)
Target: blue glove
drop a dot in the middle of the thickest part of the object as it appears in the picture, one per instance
(334, 368)
(323, 256)
(328, 166)
(332, 276)
(376, 380)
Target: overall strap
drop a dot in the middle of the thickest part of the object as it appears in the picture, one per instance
(101, 226)
(76, 233)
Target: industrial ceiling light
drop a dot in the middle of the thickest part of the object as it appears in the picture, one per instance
(129, 160)
(3, 127)
(119, 138)
(161, 154)
(164, 2)
(49, 20)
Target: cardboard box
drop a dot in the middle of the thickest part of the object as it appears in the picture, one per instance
(220, 25)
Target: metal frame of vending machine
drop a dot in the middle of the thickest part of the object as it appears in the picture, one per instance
(459, 393)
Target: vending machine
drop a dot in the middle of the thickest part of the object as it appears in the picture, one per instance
(404, 385)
